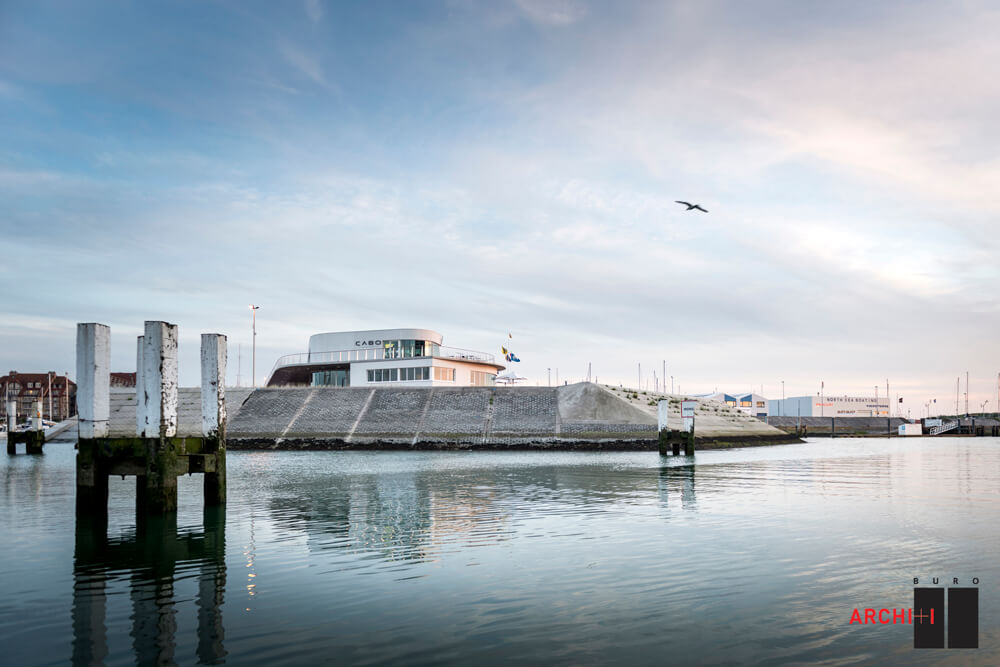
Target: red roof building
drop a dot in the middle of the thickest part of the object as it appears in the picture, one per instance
(56, 392)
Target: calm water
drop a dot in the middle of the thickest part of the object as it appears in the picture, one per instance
(747, 556)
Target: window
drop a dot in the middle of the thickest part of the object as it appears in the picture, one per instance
(446, 374)
(397, 374)
(760, 404)
(746, 404)
(331, 379)
(414, 373)
(482, 379)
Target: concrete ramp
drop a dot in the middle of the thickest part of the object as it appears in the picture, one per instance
(589, 402)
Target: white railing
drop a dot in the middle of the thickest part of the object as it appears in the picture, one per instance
(374, 354)
(944, 428)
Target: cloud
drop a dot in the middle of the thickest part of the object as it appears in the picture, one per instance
(314, 9)
(552, 12)
(306, 64)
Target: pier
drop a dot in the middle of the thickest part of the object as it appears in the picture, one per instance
(672, 439)
(157, 454)
(33, 439)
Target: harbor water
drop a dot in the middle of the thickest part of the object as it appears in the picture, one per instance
(745, 556)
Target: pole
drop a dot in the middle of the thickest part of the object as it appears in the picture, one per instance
(664, 377)
(548, 382)
(671, 384)
(253, 372)
(956, 397)
(822, 390)
(640, 376)
(50, 395)
(966, 393)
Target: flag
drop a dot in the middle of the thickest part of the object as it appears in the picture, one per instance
(509, 335)
(935, 400)
(513, 357)
(900, 400)
(503, 349)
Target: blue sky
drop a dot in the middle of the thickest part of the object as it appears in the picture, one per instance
(479, 167)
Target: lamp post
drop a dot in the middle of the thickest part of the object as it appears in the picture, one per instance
(253, 372)
(983, 408)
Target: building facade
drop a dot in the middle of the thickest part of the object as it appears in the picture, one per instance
(830, 406)
(751, 404)
(382, 357)
(56, 392)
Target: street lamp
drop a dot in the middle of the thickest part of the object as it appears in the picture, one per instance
(983, 408)
(253, 372)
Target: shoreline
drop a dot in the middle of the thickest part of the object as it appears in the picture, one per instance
(514, 444)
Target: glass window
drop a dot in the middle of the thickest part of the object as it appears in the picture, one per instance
(445, 374)
(482, 379)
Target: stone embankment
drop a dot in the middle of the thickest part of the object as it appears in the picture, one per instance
(582, 416)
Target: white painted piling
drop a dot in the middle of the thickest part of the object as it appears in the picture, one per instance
(11, 416)
(140, 390)
(213, 384)
(662, 411)
(36, 417)
(159, 378)
(93, 377)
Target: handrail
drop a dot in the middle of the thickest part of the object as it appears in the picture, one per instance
(373, 354)
(943, 428)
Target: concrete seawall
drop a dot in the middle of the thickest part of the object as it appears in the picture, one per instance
(582, 416)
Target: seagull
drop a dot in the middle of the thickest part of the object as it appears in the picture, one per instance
(691, 206)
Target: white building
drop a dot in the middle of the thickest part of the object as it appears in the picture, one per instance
(751, 404)
(830, 406)
(407, 357)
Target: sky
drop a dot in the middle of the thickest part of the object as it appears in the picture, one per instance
(479, 168)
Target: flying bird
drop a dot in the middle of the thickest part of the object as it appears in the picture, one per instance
(691, 206)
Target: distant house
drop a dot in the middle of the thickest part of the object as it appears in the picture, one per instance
(124, 380)
(56, 392)
(751, 404)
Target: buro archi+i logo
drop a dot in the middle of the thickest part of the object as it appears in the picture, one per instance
(932, 619)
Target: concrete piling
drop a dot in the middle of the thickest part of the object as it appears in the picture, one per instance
(157, 455)
(213, 414)
(93, 377)
(140, 391)
(156, 490)
(159, 379)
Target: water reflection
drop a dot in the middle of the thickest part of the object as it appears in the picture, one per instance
(677, 480)
(151, 557)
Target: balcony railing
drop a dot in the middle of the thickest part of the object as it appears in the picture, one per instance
(376, 354)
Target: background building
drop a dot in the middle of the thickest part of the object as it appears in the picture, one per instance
(752, 404)
(413, 357)
(830, 406)
(56, 392)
